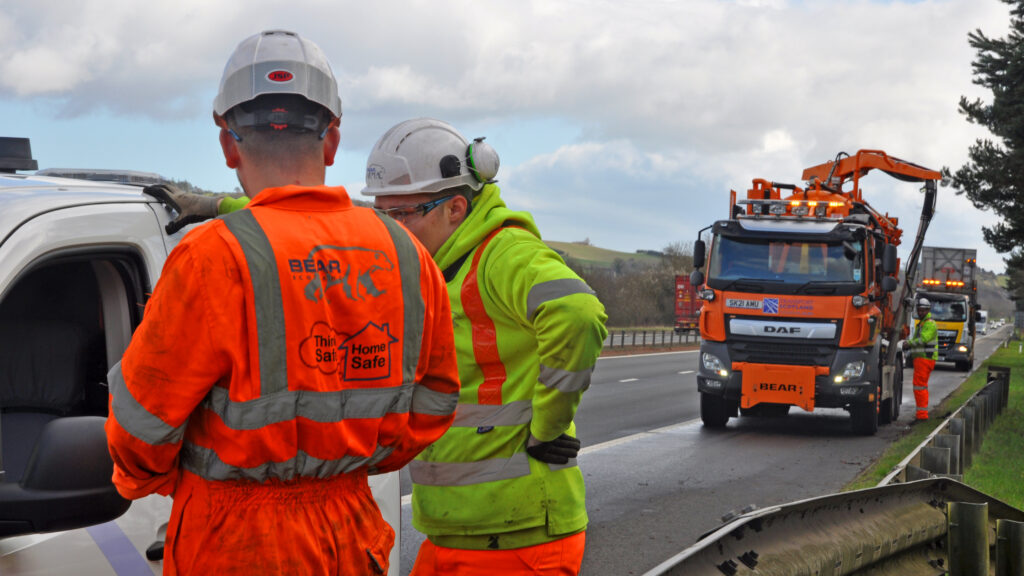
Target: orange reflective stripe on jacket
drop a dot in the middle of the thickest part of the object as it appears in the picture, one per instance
(345, 367)
(485, 343)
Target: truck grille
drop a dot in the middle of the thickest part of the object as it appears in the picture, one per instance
(804, 353)
(946, 339)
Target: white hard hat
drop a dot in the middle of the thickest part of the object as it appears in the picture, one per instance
(424, 155)
(924, 303)
(277, 62)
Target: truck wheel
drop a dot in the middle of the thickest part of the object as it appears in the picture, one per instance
(864, 417)
(713, 410)
(963, 366)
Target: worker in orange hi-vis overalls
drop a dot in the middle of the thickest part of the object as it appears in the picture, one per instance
(924, 349)
(289, 350)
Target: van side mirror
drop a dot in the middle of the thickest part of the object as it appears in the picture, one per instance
(889, 284)
(696, 278)
(890, 260)
(698, 255)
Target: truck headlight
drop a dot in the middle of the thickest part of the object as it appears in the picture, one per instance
(714, 364)
(859, 301)
(851, 371)
(962, 348)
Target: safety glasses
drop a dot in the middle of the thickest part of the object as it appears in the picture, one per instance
(401, 213)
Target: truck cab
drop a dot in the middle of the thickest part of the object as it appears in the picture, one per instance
(799, 307)
(78, 259)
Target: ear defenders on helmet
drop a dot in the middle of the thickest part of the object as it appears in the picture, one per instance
(482, 160)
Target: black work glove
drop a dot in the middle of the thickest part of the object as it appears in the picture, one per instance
(191, 208)
(557, 451)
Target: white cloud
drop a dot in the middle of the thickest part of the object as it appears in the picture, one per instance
(671, 103)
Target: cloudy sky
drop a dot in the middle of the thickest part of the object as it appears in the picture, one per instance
(618, 121)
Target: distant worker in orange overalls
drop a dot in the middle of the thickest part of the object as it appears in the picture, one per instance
(924, 349)
(289, 349)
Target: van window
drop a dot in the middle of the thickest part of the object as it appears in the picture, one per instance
(62, 325)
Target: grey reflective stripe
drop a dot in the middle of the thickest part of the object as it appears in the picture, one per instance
(135, 419)
(266, 289)
(477, 415)
(325, 407)
(565, 381)
(552, 290)
(433, 403)
(205, 463)
(920, 387)
(466, 473)
(413, 306)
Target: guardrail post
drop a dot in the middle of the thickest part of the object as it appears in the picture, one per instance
(981, 422)
(1002, 375)
(1009, 548)
(968, 538)
(935, 460)
(956, 428)
(968, 453)
(951, 442)
(915, 473)
(634, 338)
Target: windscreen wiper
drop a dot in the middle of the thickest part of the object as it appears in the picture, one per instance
(822, 287)
(750, 284)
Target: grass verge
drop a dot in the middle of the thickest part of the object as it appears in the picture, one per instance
(997, 469)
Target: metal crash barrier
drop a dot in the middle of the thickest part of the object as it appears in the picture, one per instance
(921, 520)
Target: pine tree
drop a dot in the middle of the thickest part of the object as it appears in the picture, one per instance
(993, 178)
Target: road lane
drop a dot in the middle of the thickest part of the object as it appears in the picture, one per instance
(657, 480)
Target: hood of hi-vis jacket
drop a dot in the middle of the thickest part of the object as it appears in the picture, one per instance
(489, 212)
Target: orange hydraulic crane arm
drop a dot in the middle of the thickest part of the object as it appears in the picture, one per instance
(833, 173)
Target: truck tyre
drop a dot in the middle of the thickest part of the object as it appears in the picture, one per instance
(713, 410)
(964, 365)
(864, 417)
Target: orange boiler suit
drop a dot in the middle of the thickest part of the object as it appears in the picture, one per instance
(288, 351)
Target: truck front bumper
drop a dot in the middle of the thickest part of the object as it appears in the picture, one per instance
(828, 393)
(955, 353)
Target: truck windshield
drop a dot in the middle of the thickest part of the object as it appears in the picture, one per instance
(786, 266)
(949, 311)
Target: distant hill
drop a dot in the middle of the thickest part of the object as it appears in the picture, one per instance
(993, 296)
(592, 256)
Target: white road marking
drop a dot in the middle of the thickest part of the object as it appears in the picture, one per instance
(687, 372)
(651, 354)
(629, 380)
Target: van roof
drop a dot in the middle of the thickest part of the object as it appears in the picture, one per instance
(24, 196)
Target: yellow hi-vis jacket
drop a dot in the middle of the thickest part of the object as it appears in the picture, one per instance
(528, 332)
(925, 342)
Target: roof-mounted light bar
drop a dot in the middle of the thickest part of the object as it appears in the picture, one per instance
(796, 208)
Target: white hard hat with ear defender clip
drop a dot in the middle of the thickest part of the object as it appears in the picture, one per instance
(425, 155)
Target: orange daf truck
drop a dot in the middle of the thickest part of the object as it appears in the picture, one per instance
(803, 303)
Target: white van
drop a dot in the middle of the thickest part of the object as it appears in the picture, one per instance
(78, 259)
